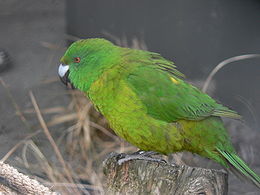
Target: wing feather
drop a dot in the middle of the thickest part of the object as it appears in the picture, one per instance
(169, 98)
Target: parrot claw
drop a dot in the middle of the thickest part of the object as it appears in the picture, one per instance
(145, 153)
(140, 155)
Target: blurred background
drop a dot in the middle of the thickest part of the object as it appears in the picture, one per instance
(196, 35)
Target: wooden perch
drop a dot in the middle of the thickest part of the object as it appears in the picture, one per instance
(149, 177)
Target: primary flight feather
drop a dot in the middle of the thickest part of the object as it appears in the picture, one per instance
(146, 101)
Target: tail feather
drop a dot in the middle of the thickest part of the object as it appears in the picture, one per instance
(239, 167)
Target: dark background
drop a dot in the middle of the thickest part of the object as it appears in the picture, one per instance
(196, 35)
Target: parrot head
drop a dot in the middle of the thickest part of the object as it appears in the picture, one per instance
(84, 61)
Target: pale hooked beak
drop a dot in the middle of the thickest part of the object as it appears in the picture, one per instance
(64, 73)
(63, 70)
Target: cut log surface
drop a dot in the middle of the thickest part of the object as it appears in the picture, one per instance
(160, 178)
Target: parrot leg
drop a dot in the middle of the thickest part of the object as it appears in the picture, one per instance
(141, 155)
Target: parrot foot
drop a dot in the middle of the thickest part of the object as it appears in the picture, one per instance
(145, 153)
(141, 155)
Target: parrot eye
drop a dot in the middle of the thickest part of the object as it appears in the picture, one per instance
(77, 60)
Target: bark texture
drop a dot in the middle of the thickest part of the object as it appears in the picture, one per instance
(149, 177)
(13, 182)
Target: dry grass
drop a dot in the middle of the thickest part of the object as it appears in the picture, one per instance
(87, 140)
(75, 168)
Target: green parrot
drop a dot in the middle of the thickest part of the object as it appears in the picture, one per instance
(146, 102)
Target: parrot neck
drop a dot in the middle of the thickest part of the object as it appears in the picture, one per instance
(103, 91)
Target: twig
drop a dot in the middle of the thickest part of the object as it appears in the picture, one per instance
(103, 130)
(47, 110)
(71, 37)
(224, 63)
(40, 158)
(48, 135)
(19, 182)
(51, 45)
(82, 186)
(9, 153)
(17, 108)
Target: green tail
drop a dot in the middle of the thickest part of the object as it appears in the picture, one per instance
(238, 166)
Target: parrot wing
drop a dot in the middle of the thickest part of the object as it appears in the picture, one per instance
(167, 97)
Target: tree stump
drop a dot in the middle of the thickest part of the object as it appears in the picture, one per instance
(149, 177)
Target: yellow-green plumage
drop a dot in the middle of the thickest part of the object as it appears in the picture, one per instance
(147, 103)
